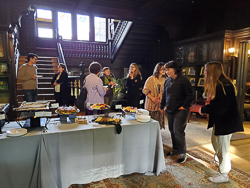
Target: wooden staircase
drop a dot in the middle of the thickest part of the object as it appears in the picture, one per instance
(138, 44)
(46, 67)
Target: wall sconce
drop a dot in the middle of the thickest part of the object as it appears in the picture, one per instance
(248, 52)
(231, 50)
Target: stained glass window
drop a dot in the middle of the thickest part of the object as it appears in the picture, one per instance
(82, 27)
(44, 23)
(100, 29)
(65, 25)
(44, 14)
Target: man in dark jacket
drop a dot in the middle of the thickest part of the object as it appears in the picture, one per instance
(176, 100)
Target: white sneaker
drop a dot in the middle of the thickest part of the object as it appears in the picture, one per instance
(219, 178)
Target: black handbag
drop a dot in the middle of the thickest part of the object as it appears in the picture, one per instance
(82, 97)
(109, 92)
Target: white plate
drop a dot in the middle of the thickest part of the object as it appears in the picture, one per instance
(143, 121)
(16, 132)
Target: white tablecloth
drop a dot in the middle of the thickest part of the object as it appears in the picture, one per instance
(77, 154)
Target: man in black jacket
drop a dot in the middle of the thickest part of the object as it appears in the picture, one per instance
(176, 100)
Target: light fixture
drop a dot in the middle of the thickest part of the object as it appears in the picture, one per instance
(231, 50)
(248, 52)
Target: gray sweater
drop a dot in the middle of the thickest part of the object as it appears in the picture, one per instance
(25, 73)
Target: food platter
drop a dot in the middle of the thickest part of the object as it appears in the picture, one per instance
(39, 105)
(100, 106)
(129, 110)
(63, 110)
(67, 113)
(107, 120)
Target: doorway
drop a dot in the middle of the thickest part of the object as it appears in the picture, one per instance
(243, 80)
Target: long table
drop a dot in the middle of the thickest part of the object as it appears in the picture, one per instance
(78, 154)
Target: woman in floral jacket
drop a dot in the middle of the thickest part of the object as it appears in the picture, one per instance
(153, 89)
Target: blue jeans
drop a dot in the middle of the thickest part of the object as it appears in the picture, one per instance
(30, 95)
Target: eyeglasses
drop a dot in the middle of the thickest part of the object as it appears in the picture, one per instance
(169, 69)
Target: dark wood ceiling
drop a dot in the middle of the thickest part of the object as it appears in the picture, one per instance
(152, 11)
(172, 14)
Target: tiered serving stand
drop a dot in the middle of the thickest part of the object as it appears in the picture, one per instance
(64, 116)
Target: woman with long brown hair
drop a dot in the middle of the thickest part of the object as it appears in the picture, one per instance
(224, 116)
(60, 81)
(133, 84)
(153, 90)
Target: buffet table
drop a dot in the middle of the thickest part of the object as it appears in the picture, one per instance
(77, 154)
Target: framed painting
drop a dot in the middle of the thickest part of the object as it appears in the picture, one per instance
(179, 53)
(215, 51)
(192, 81)
(191, 71)
(201, 82)
(3, 41)
(1, 45)
(202, 52)
(190, 52)
(202, 71)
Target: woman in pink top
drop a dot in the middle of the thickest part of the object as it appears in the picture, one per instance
(94, 86)
(153, 89)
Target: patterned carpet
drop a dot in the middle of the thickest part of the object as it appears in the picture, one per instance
(193, 173)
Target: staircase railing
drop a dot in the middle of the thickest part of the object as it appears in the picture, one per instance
(121, 32)
(86, 49)
(94, 49)
(61, 55)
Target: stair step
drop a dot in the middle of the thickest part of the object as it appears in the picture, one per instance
(45, 79)
(45, 84)
(46, 70)
(46, 74)
(45, 91)
(41, 48)
(46, 60)
(46, 65)
(41, 90)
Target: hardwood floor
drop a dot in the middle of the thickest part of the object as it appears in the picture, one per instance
(239, 151)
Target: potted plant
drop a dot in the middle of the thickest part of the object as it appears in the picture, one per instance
(120, 89)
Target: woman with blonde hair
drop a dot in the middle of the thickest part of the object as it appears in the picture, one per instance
(153, 90)
(224, 116)
(133, 84)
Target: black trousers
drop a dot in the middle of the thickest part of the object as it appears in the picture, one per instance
(62, 98)
(177, 124)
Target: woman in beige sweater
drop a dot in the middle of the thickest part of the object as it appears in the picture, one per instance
(153, 89)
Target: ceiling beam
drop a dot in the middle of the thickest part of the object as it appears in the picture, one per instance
(114, 13)
(150, 7)
(83, 4)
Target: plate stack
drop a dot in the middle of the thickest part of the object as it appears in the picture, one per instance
(16, 132)
(143, 118)
(141, 111)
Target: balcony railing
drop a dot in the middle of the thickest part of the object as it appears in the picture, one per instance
(86, 49)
